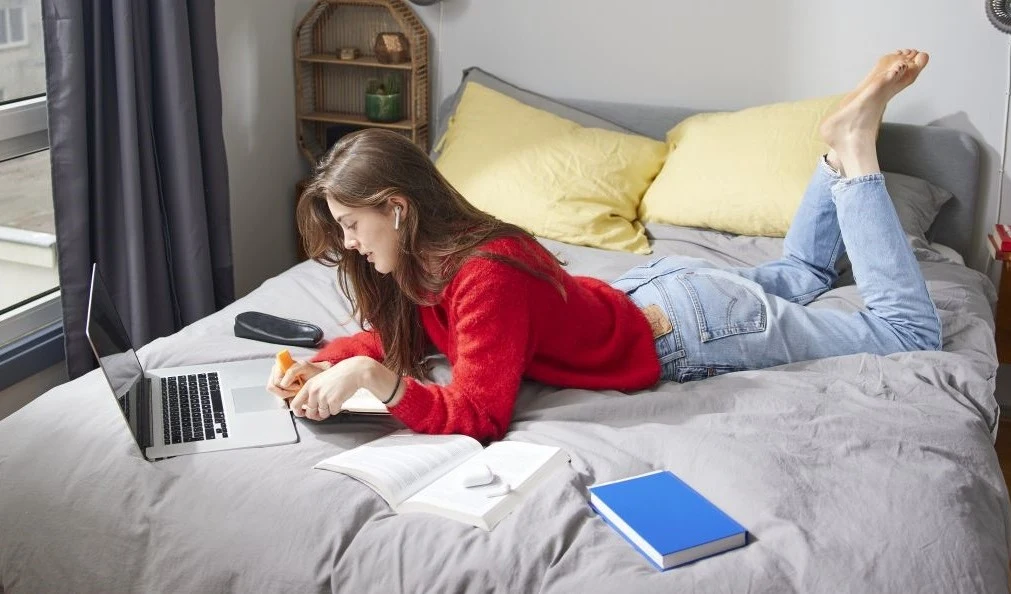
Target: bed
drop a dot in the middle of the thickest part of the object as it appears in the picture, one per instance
(851, 474)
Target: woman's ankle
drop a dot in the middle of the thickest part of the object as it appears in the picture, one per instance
(833, 162)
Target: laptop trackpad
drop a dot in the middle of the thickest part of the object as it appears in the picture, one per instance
(254, 399)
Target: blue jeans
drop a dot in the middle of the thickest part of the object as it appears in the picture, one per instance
(707, 321)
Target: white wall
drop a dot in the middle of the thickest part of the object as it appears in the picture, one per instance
(729, 55)
(706, 55)
(258, 97)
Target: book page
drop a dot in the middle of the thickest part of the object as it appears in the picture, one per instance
(400, 464)
(364, 402)
(520, 464)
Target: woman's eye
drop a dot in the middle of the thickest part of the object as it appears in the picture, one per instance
(352, 226)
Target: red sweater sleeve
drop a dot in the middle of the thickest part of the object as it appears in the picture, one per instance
(490, 317)
(365, 343)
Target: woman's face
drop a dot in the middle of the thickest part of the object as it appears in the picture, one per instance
(370, 232)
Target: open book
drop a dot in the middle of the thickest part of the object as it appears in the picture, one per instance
(425, 473)
(364, 402)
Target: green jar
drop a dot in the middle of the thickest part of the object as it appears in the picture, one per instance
(382, 108)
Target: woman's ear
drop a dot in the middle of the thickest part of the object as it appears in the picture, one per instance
(398, 206)
(398, 202)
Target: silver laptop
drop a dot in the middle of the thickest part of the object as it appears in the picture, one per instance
(185, 410)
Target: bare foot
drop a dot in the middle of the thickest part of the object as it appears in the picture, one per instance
(851, 130)
(885, 62)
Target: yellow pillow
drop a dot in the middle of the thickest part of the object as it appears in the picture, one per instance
(744, 172)
(549, 175)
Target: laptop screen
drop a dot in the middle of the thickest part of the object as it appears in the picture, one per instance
(111, 344)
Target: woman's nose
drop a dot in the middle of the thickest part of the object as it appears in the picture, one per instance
(349, 243)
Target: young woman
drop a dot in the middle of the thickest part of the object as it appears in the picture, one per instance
(426, 269)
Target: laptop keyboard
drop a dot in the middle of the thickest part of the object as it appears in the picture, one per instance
(191, 408)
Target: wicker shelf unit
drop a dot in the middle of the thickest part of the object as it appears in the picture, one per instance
(330, 91)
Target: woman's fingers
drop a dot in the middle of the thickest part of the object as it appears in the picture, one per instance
(272, 383)
(304, 404)
(300, 373)
(321, 394)
(280, 393)
(294, 375)
(323, 408)
(315, 406)
(310, 402)
(298, 403)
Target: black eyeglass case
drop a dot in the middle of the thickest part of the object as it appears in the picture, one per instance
(256, 325)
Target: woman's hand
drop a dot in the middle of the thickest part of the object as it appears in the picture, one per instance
(323, 394)
(288, 384)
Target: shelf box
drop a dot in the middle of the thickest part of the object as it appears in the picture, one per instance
(330, 92)
(368, 61)
(333, 117)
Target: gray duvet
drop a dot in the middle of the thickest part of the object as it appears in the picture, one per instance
(851, 474)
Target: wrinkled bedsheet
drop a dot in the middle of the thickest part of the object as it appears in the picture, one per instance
(851, 474)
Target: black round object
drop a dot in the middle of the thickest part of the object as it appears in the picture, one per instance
(424, 2)
(999, 14)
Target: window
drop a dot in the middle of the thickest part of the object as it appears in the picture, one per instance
(29, 297)
(12, 26)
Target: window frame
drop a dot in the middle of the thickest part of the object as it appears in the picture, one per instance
(7, 24)
(31, 333)
(25, 125)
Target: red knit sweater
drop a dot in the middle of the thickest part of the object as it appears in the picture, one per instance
(497, 325)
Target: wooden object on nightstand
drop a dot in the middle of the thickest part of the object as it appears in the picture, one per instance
(1002, 317)
(1003, 320)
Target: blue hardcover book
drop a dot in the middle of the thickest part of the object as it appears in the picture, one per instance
(665, 519)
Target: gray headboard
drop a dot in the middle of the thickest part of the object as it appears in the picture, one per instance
(945, 157)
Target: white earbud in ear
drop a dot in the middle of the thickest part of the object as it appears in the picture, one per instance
(396, 221)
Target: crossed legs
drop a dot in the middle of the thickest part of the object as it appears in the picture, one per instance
(846, 204)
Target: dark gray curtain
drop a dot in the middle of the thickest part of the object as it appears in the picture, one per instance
(140, 184)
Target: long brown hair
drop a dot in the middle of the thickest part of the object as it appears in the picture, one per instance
(439, 231)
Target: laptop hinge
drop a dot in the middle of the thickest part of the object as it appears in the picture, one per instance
(144, 412)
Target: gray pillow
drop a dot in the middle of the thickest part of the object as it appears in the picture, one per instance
(916, 201)
(524, 96)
